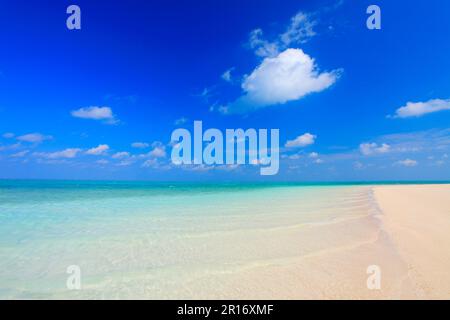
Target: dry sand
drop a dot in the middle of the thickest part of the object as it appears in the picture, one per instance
(417, 218)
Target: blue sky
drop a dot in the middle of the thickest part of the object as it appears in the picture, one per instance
(101, 102)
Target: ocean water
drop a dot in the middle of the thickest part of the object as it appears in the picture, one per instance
(178, 240)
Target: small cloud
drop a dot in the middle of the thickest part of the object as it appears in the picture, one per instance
(34, 138)
(150, 163)
(102, 161)
(158, 152)
(64, 154)
(295, 156)
(232, 167)
(181, 121)
(125, 163)
(206, 94)
(120, 155)
(299, 31)
(104, 114)
(223, 109)
(358, 165)
(313, 155)
(301, 141)
(140, 145)
(262, 47)
(407, 163)
(10, 147)
(373, 148)
(226, 76)
(99, 150)
(318, 161)
(8, 135)
(20, 154)
(418, 109)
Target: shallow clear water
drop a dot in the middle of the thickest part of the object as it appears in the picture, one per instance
(158, 240)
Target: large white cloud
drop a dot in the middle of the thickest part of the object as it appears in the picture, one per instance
(289, 76)
(418, 109)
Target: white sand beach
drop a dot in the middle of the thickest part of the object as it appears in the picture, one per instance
(417, 217)
(408, 238)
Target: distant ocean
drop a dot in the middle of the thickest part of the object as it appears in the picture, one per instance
(163, 240)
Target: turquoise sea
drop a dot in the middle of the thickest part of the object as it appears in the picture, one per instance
(162, 240)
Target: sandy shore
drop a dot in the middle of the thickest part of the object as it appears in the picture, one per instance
(417, 219)
(407, 237)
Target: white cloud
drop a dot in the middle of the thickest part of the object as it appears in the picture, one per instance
(301, 141)
(206, 94)
(295, 156)
(226, 76)
(418, 109)
(34, 137)
(158, 152)
(262, 47)
(289, 76)
(10, 147)
(299, 31)
(358, 165)
(181, 121)
(232, 167)
(407, 163)
(313, 155)
(20, 154)
(102, 161)
(95, 113)
(121, 155)
(140, 145)
(8, 135)
(67, 154)
(150, 163)
(99, 150)
(125, 163)
(373, 148)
